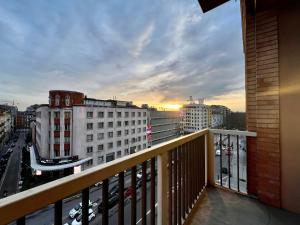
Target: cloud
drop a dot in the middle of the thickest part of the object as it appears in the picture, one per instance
(148, 52)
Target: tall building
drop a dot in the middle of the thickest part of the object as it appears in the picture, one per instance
(72, 125)
(195, 116)
(6, 126)
(163, 126)
(220, 113)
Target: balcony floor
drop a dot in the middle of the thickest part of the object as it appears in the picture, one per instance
(220, 207)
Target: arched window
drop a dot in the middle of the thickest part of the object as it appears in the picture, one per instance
(57, 100)
(67, 100)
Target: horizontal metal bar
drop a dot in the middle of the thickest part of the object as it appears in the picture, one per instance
(233, 132)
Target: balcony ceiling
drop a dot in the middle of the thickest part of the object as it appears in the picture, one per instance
(207, 5)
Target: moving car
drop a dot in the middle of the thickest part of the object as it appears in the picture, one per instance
(77, 210)
(78, 219)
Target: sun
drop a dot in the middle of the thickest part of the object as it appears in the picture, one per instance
(172, 107)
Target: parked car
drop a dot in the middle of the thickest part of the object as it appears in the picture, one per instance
(78, 219)
(114, 190)
(77, 210)
(112, 201)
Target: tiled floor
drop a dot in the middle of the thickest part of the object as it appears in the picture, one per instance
(219, 207)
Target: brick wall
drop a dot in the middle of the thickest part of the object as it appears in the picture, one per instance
(262, 104)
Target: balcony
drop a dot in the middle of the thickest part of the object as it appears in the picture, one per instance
(182, 181)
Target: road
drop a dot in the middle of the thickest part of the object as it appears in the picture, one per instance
(11, 176)
(46, 215)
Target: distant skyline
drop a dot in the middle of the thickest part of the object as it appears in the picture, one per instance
(156, 52)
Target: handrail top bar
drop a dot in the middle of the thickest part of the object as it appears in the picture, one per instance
(36, 198)
(234, 132)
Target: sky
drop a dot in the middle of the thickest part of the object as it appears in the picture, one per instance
(158, 52)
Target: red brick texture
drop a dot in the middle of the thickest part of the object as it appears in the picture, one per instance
(262, 104)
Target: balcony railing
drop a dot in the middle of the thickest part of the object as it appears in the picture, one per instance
(184, 167)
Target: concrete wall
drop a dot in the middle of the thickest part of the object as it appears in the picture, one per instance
(289, 42)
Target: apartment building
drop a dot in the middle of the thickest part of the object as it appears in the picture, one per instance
(6, 125)
(163, 126)
(195, 116)
(72, 125)
(220, 116)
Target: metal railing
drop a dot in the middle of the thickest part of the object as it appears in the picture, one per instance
(230, 148)
(181, 176)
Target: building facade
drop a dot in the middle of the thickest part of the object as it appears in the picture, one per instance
(73, 125)
(6, 126)
(195, 116)
(163, 126)
(220, 116)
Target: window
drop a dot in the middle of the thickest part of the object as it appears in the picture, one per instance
(67, 115)
(56, 115)
(119, 143)
(110, 114)
(89, 115)
(110, 145)
(144, 146)
(56, 140)
(132, 131)
(56, 153)
(119, 123)
(100, 136)
(100, 159)
(126, 141)
(119, 133)
(132, 114)
(139, 122)
(126, 123)
(56, 127)
(90, 162)
(139, 138)
(139, 114)
(67, 127)
(89, 149)
(89, 137)
(110, 124)
(67, 140)
(139, 147)
(119, 153)
(100, 148)
(100, 125)
(126, 132)
(100, 114)
(67, 152)
(144, 114)
(144, 137)
(57, 100)
(144, 129)
(144, 121)
(119, 114)
(126, 114)
(67, 100)
(89, 126)
(133, 122)
(132, 140)
(126, 151)
(110, 134)
(139, 130)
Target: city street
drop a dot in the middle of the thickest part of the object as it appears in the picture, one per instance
(46, 215)
(233, 163)
(10, 179)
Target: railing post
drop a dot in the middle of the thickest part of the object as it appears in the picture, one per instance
(162, 189)
(211, 159)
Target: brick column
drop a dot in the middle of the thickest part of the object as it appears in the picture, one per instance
(262, 99)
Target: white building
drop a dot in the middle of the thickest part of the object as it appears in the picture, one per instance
(195, 116)
(6, 126)
(84, 128)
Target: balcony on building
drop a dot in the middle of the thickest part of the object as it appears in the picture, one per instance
(208, 177)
